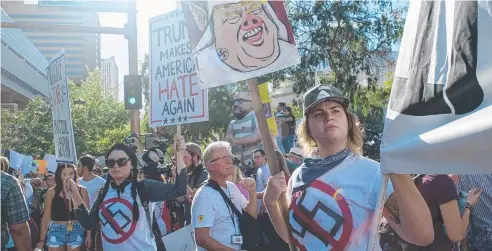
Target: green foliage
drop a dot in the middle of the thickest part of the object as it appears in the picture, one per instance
(28, 131)
(370, 105)
(352, 36)
(99, 124)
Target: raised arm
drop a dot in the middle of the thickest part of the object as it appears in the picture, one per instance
(275, 188)
(456, 225)
(159, 191)
(87, 220)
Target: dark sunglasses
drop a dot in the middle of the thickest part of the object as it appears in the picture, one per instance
(121, 162)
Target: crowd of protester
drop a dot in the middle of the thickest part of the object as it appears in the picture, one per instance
(129, 206)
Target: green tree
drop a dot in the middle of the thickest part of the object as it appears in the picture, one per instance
(354, 37)
(98, 124)
(28, 131)
(370, 105)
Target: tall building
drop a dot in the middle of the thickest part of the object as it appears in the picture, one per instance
(109, 71)
(82, 50)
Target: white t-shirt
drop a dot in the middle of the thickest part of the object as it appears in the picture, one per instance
(338, 207)
(93, 186)
(119, 232)
(210, 210)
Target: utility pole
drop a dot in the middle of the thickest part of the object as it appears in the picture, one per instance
(130, 33)
(131, 36)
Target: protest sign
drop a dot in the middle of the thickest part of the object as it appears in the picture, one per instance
(60, 109)
(50, 162)
(180, 240)
(269, 112)
(238, 40)
(439, 116)
(15, 159)
(175, 93)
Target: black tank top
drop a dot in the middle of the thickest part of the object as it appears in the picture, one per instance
(59, 211)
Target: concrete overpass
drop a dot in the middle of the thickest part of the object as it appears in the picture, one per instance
(23, 68)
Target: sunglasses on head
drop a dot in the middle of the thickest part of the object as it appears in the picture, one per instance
(121, 162)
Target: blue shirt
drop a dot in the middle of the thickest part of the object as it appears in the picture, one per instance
(262, 175)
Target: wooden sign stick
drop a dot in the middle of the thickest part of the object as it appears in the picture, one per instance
(268, 146)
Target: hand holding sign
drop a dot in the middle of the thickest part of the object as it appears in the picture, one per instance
(179, 147)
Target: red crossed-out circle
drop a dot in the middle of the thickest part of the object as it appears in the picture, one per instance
(114, 223)
(316, 228)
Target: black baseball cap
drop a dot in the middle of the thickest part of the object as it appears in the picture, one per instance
(321, 93)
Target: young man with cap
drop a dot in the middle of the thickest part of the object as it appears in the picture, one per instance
(192, 157)
(294, 159)
(333, 194)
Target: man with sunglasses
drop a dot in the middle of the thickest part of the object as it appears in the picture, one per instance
(243, 132)
(215, 223)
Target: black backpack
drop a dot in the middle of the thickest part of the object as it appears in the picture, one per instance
(154, 227)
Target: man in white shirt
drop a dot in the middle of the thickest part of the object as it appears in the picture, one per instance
(215, 224)
(91, 182)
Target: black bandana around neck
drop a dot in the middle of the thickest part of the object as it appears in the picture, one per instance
(311, 169)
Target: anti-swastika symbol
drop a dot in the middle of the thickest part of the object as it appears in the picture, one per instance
(305, 218)
(122, 228)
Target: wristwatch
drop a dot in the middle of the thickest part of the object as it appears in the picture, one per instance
(469, 206)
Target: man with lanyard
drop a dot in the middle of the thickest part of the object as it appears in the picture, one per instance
(192, 157)
(216, 226)
(243, 132)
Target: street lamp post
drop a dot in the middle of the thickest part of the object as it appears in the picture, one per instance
(130, 33)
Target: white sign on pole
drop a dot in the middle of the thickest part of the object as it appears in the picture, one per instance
(60, 110)
(175, 94)
(439, 115)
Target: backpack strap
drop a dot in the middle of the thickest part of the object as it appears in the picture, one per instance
(144, 200)
(227, 200)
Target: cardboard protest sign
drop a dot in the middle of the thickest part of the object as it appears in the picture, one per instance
(186, 239)
(269, 112)
(175, 94)
(60, 110)
(15, 159)
(238, 40)
(50, 162)
(439, 115)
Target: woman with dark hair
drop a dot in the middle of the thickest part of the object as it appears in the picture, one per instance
(59, 225)
(122, 208)
(333, 194)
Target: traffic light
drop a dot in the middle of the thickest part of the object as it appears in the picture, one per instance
(133, 92)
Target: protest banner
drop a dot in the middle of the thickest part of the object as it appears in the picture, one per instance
(439, 116)
(269, 112)
(180, 240)
(60, 110)
(239, 40)
(175, 93)
(50, 162)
